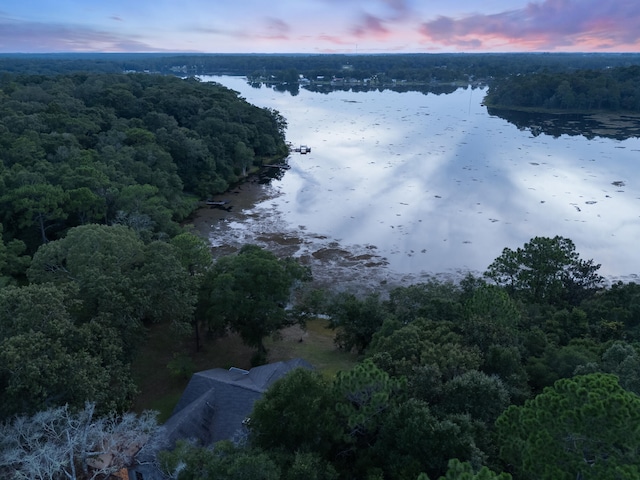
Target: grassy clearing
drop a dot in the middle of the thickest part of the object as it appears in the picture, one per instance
(314, 344)
(160, 391)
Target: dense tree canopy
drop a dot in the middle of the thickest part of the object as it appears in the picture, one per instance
(613, 89)
(48, 358)
(439, 362)
(584, 427)
(69, 336)
(224, 462)
(137, 150)
(296, 414)
(117, 275)
(13, 261)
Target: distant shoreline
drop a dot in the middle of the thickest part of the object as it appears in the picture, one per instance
(553, 111)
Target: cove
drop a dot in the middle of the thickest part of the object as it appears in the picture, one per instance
(402, 186)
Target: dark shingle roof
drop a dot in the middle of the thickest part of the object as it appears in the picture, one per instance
(217, 401)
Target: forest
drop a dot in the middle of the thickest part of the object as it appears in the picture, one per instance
(612, 90)
(529, 371)
(137, 150)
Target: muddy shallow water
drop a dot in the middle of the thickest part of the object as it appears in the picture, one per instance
(359, 268)
(402, 186)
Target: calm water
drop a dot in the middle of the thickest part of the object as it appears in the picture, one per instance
(411, 184)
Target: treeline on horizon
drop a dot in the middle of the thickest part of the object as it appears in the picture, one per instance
(138, 150)
(541, 81)
(419, 67)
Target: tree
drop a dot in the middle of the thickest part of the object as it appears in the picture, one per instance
(399, 351)
(491, 318)
(364, 396)
(86, 205)
(546, 270)
(355, 319)
(622, 360)
(413, 439)
(560, 362)
(458, 470)
(296, 414)
(248, 292)
(432, 300)
(310, 466)
(481, 396)
(13, 262)
(47, 359)
(224, 462)
(101, 260)
(615, 313)
(118, 275)
(129, 149)
(61, 443)
(35, 205)
(585, 427)
(166, 287)
(193, 252)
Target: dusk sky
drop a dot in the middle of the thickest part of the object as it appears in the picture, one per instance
(319, 26)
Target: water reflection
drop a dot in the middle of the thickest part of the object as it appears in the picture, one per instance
(411, 184)
(340, 86)
(619, 127)
(437, 89)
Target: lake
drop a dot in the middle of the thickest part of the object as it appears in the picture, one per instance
(401, 186)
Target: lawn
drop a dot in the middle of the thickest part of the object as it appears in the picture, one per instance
(314, 344)
(159, 390)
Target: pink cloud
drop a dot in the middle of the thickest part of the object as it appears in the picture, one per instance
(546, 25)
(334, 39)
(370, 26)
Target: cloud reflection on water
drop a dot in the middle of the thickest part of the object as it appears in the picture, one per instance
(437, 184)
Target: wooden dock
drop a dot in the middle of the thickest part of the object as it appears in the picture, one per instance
(282, 166)
(302, 149)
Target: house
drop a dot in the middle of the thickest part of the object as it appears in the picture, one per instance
(217, 401)
(214, 407)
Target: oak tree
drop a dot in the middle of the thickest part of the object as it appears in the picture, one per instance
(248, 293)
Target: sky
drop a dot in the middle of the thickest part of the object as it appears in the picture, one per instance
(319, 26)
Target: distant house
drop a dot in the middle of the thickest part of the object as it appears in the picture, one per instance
(215, 405)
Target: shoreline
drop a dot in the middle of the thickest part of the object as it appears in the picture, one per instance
(354, 268)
